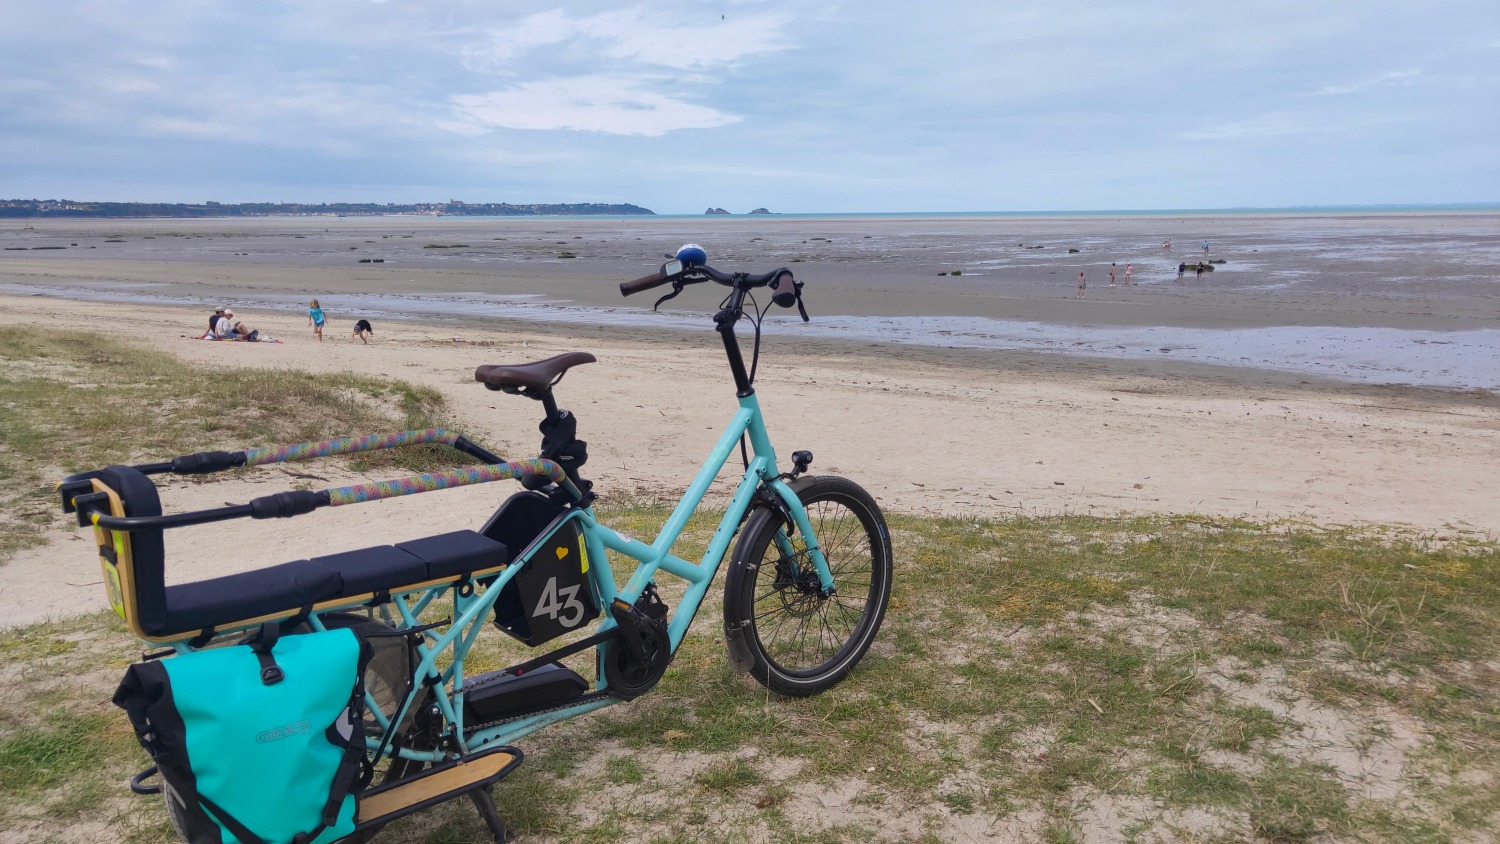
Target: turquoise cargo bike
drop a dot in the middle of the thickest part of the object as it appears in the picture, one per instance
(320, 699)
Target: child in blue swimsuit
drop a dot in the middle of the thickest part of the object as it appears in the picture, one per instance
(315, 319)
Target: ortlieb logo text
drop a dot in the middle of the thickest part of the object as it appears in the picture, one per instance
(282, 732)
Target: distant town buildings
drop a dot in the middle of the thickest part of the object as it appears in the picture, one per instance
(453, 207)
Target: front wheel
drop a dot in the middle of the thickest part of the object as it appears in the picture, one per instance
(795, 639)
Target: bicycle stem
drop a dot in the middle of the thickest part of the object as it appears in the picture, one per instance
(725, 320)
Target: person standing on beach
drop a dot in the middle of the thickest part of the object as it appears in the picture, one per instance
(1205, 247)
(1200, 272)
(1128, 269)
(1082, 284)
(1111, 274)
(1181, 268)
(315, 319)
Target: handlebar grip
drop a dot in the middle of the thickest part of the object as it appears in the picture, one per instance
(645, 282)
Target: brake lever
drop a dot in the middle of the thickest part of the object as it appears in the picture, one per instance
(676, 288)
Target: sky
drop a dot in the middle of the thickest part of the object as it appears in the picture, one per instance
(791, 105)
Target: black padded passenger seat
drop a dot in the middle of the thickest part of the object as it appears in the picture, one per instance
(291, 586)
(459, 552)
(385, 568)
(379, 569)
(236, 597)
(166, 611)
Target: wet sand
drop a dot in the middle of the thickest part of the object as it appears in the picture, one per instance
(1434, 271)
(1382, 298)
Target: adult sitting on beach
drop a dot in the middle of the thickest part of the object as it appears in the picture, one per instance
(221, 324)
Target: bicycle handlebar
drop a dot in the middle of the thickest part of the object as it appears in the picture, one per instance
(788, 291)
(645, 282)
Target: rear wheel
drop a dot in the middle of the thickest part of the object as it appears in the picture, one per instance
(800, 640)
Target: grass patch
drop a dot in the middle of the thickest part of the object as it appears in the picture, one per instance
(1083, 660)
(71, 401)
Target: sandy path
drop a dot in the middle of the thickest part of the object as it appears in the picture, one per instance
(928, 431)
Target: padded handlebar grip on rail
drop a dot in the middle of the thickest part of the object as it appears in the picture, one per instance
(207, 462)
(283, 505)
(645, 282)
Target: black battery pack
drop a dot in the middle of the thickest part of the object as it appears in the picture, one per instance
(497, 695)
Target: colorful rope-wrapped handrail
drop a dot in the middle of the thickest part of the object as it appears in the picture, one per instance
(356, 493)
(346, 445)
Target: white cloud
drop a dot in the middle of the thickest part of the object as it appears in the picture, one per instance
(503, 44)
(634, 35)
(1395, 77)
(128, 85)
(185, 128)
(594, 103)
(1268, 125)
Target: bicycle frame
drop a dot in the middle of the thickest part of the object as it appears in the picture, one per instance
(473, 611)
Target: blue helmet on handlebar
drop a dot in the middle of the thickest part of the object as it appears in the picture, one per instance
(692, 255)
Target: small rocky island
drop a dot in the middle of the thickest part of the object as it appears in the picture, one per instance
(716, 211)
(760, 211)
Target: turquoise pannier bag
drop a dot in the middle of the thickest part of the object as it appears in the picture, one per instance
(257, 743)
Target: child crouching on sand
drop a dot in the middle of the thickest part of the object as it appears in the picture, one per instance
(362, 330)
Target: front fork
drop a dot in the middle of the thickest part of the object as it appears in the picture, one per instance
(786, 502)
(780, 496)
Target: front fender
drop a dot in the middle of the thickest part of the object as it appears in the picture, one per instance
(736, 630)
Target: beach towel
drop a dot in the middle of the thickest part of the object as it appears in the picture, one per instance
(260, 337)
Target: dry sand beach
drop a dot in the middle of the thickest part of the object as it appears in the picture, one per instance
(963, 431)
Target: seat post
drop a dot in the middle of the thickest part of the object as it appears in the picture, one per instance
(549, 403)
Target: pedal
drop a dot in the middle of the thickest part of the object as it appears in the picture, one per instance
(435, 785)
(639, 657)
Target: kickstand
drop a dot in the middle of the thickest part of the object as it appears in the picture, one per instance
(484, 801)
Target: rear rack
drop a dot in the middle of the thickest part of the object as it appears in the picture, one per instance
(92, 507)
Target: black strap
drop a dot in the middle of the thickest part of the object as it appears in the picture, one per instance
(138, 782)
(228, 821)
(388, 737)
(353, 770)
(564, 651)
(245, 836)
(262, 645)
(290, 625)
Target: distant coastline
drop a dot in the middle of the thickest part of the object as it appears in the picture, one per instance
(1392, 209)
(68, 208)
